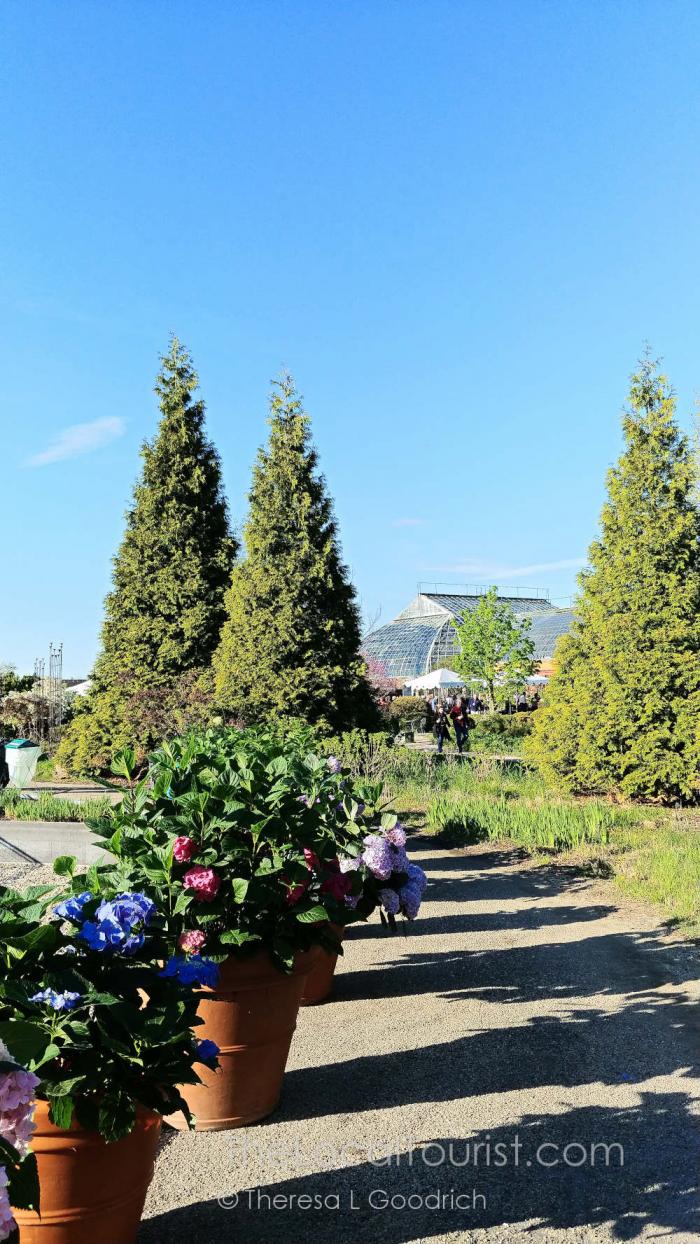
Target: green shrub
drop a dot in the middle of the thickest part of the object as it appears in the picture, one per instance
(404, 710)
(497, 732)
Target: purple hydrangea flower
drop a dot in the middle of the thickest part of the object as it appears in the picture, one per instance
(389, 900)
(397, 835)
(349, 863)
(333, 764)
(351, 900)
(207, 1051)
(378, 855)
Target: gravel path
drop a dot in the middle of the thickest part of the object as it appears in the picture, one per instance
(527, 1009)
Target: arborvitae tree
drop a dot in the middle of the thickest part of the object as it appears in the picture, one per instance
(291, 641)
(622, 712)
(164, 613)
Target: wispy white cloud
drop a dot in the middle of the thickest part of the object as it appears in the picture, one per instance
(408, 522)
(495, 573)
(80, 439)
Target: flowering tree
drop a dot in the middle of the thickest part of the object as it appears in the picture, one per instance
(378, 679)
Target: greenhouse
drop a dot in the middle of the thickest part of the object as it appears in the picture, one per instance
(423, 638)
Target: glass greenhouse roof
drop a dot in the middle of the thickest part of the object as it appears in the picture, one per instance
(422, 638)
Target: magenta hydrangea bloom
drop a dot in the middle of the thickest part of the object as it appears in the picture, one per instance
(183, 849)
(203, 882)
(192, 941)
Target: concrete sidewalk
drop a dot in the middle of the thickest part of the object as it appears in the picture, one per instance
(39, 842)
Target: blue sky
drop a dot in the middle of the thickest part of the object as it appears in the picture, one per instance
(456, 223)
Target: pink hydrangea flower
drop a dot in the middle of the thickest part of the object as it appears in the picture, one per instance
(192, 941)
(184, 849)
(17, 1093)
(204, 882)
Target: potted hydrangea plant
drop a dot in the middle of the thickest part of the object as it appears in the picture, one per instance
(246, 841)
(234, 836)
(106, 1034)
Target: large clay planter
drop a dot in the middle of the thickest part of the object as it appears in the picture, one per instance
(319, 982)
(251, 1015)
(91, 1192)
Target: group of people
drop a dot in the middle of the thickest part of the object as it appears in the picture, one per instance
(455, 717)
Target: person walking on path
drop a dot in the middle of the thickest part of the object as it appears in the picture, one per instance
(441, 727)
(460, 721)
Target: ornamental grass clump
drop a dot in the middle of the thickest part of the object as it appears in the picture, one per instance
(87, 1007)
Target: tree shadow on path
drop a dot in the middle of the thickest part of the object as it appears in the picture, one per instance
(647, 1178)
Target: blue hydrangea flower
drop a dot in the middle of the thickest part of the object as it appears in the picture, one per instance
(192, 970)
(207, 1050)
(417, 878)
(103, 934)
(72, 908)
(127, 910)
(410, 899)
(57, 1001)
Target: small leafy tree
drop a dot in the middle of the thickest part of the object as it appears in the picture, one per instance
(622, 712)
(495, 648)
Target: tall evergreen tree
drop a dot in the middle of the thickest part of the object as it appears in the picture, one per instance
(164, 613)
(292, 636)
(622, 712)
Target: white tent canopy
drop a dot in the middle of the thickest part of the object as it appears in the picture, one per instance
(536, 680)
(436, 680)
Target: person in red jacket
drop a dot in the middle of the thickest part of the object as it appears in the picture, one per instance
(461, 722)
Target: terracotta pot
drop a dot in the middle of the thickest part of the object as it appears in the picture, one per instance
(251, 1015)
(319, 982)
(90, 1191)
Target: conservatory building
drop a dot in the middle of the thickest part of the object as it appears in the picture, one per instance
(423, 638)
